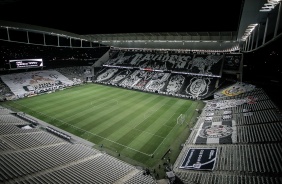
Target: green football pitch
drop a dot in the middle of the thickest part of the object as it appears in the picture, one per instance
(137, 126)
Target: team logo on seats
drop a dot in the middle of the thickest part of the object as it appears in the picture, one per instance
(216, 131)
(198, 87)
(107, 75)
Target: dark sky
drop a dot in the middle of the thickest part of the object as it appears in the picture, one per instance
(93, 17)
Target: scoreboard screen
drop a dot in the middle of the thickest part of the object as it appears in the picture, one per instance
(25, 63)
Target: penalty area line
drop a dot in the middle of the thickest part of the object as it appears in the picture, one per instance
(166, 135)
(77, 128)
(118, 143)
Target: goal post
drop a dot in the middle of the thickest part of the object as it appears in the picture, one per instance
(181, 119)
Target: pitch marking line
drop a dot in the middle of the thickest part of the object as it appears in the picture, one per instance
(105, 139)
(153, 133)
(149, 133)
(63, 122)
(82, 130)
(146, 117)
(41, 113)
(166, 136)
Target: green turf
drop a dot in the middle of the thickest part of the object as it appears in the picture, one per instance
(139, 126)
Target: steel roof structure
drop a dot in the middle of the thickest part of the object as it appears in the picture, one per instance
(255, 29)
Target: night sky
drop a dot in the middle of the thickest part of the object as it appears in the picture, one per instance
(92, 17)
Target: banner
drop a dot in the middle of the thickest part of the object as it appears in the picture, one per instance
(199, 159)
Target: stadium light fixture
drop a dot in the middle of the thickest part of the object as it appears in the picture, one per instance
(269, 6)
(248, 31)
(265, 10)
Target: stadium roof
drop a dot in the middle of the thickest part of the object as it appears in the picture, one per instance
(211, 25)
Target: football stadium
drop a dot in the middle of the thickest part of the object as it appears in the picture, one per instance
(191, 107)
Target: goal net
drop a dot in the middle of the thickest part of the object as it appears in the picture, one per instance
(181, 119)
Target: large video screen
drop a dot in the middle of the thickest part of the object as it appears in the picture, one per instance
(25, 63)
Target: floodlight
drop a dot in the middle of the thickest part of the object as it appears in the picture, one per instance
(265, 10)
(269, 5)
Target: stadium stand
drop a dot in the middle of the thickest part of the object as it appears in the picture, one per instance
(235, 139)
(35, 82)
(78, 74)
(240, 127)
(243, 148)
(243, 123)
(51, 54)
(35, 155)
(4, 91)
(192, 76)
(232, 62)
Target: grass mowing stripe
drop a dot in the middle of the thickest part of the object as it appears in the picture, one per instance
(87, 104)
(125, 120)
(168, 138)
(154, 126)
(67, 94)
(61, 103)
(103, 116)
(52, 112)
(91, 125)
(73, 107)
(181, 110)
(114, 127)
(23, 108)
(157, 142)
(159, 117)
(61, 96)
(134, 120)
(143, 143)
(170, 111)
(86, 116)
(154, 116)
(161, 131)
(133, 125)
(191, 109)
(125, 103)
(173, 135)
